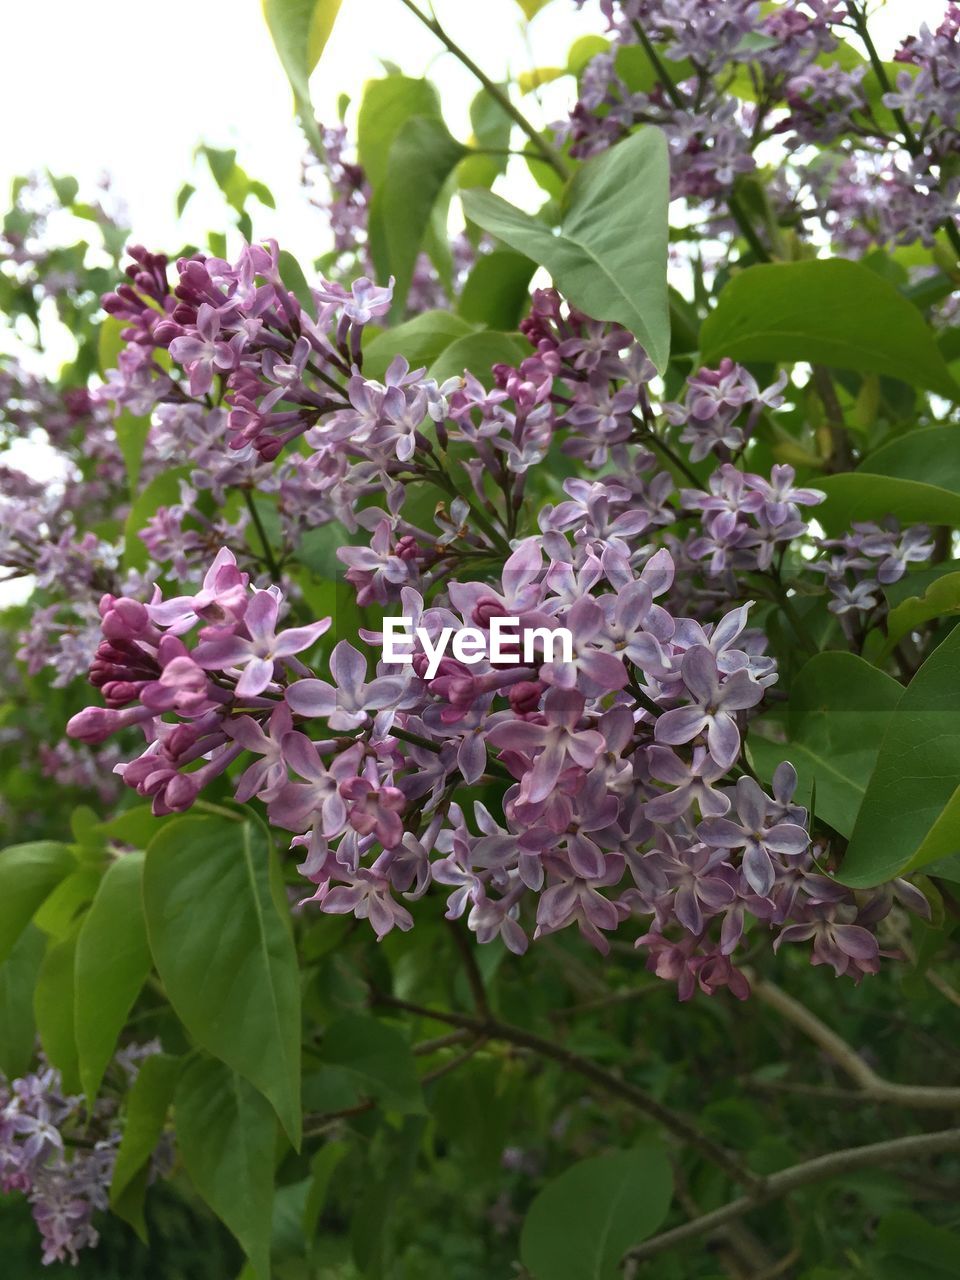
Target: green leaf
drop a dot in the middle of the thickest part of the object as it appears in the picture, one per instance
(839, 708)
(109, 344)
(492, 128)
(226, 1134)
(28, 874)
(829, 311)
(18, 976)
(581, 1223)
(378, 1060)
(145, 1114)
(132, 435)
(529, 81)
(112, 964)
(941, 599)
(497, 290)
(914, 1246)
(583, 50)
(291, 273)
(609, 257)
(386, 107)
(420, 341)
(915, 777)
(162, 491)
(300, 31)
(531, 7)
(478, 352)
(322, 1167)
(224, 952)
(53, 1009)
(915, 477)
(421, 157)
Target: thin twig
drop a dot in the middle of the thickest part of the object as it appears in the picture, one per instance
(848, 1060)
(799, 1175)
(470, 967)
(547, 152)
(493, 1029)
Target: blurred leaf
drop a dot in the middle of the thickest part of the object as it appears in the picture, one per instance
(532, 7)
(145, 1113)
(291, 273)
(914, 1247)
(581, 1224)
(829, 311)
(583, 50)
(162, 491)
(211, 911)
(226, 1133)
(53, 1009)
(378, 1058)
(132, 435)
(18, 977)
(610, 256)
(28, 874)
(915, 776)
(112, 963)
(109, 343)
(530, 81)
(300, 31)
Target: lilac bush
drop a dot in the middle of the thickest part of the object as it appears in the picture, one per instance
(685, 437)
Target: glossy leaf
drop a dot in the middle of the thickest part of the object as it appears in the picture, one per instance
(212, 914)
(581, 1224)
(839, 708)
(916, 774)
(112, 963)
(609, 258)
(28, 874)
(146, 1109)
(226, 1134)
(829, 311)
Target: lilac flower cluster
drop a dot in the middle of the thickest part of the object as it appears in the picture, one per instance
(614, 782)
(698, 53)
(60, 1155)
(723, 78)
(860, 564)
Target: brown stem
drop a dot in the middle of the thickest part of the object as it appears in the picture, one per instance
(841, 456)
(848, 1060)
(493, 1029)
(547, 152)
(799, 1175)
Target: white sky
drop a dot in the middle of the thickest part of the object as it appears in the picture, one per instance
(131, 88)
